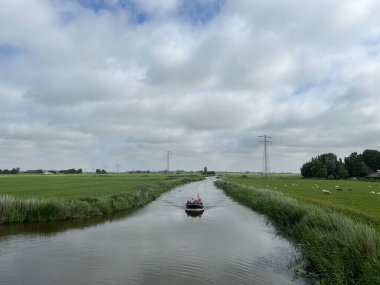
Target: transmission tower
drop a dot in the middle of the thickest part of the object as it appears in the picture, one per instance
(168, 153)
(265, 140)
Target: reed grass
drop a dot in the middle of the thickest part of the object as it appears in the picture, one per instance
(336, 248)
(21, 210)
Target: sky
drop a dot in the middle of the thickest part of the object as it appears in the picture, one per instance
(99, 83)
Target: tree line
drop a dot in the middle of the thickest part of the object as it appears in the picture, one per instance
(15, 170)
(327, 165)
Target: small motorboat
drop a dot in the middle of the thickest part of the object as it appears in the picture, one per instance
(194, 207)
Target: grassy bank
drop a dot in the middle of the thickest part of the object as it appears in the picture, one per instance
(28, 208)
(337, 249)
(352, 198)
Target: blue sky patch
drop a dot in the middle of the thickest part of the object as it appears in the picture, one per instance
(8, 51)
(136, 15)
(299, 90)
(200, 11)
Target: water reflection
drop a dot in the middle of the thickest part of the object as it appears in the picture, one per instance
(53, 228)
(194, 214)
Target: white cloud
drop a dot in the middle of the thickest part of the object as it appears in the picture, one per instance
(93, 88)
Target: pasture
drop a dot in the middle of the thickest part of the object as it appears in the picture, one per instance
(72, 186)
(353, 198)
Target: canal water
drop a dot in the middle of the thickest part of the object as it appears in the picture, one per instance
(158, 244)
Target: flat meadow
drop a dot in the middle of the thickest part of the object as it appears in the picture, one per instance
(351, 197)
(71, 186)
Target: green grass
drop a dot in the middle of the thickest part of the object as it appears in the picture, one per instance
(35, 198)
(66, 186)
(337, 249)
(354, 200)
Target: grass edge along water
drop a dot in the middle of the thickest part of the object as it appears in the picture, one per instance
(336, 249)
(22, 210)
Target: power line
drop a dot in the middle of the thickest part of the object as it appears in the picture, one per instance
(266, 140)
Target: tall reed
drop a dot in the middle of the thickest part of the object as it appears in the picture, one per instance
(337, 249)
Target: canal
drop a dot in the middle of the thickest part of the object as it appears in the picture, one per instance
(157, 244)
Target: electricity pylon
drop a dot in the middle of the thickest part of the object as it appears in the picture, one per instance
(168, 153)
(266, 140)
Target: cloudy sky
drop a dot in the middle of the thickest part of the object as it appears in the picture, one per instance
(95, 83)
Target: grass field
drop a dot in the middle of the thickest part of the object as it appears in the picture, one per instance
(354, 199)
(36, 198)
(66, 186)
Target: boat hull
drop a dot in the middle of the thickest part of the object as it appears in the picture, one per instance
(194, 212)
(194, 206)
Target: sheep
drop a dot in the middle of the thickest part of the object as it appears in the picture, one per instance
(369, 186)
(326, 191)
(378, 193)
(339, 189)
(372, 192)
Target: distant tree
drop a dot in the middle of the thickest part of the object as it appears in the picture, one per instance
(354, 165)
(71, 171)
(321, 172)
(14, 170)
(372, 159)
(324, 166)
(306, 169)
(341, 171)
(205, 170)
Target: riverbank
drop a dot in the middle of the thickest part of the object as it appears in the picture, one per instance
(357, 199)
(15, 209)
(337, 249)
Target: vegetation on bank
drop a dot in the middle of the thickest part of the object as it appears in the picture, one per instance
(357, 199)
(337, 249)
(327, 165)
(29, 208)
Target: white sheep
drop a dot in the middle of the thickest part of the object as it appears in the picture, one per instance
(372, 192)
(369, 186)
(326, 191)
(378, 193)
